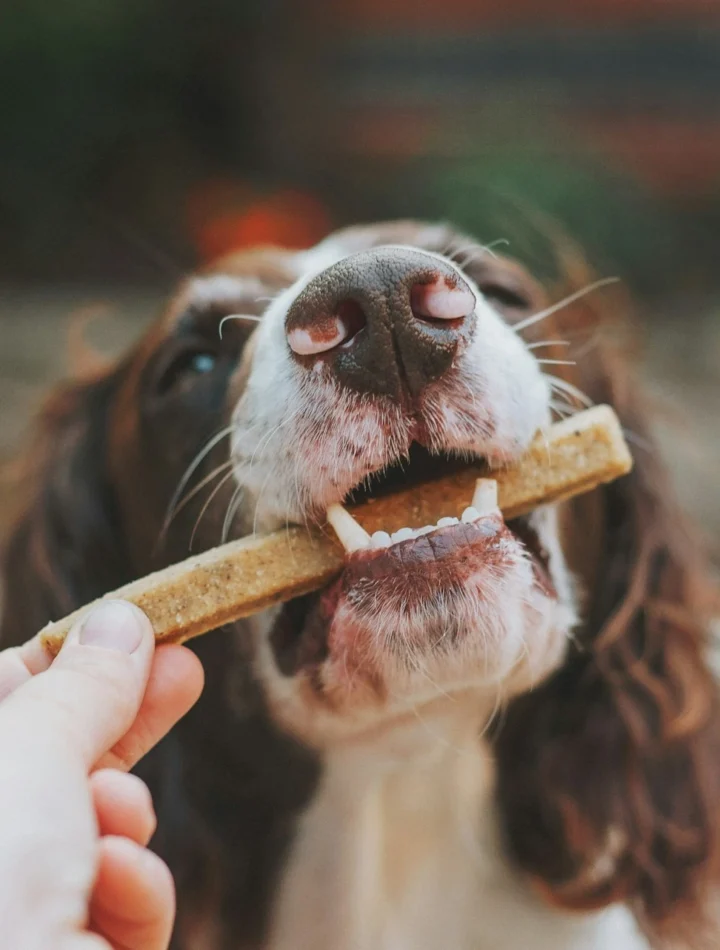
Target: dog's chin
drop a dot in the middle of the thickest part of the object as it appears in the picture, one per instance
(469, 606)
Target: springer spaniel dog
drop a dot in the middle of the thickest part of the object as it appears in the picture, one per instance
(511, 743)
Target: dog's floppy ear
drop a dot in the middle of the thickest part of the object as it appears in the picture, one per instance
(609, 773)
(66, 548)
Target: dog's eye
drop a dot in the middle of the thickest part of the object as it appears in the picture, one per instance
(184, 367)
(203, 363)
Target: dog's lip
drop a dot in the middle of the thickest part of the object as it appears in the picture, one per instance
(433, 565)
(443, 545)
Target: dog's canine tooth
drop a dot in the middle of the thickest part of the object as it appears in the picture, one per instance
(351, 535)
(380, 539)
(469, 515)
(485, 497)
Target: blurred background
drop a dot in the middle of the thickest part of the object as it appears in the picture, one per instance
(140, 138)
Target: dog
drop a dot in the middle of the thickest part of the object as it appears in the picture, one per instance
(482, 735)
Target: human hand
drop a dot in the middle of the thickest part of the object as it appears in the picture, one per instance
(74, 870)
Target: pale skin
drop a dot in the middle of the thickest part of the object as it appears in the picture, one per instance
(75, 871)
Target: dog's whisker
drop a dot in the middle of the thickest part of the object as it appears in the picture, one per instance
(589, 344)
(559, 399)
(497, 708)
(476, 250)
(462, 249)
(265, 440)
(536, 346)
(546, 443)
(433, 734)
(557, 362)
(479, 251)
(488, 248)
(417, 666)
(472, 256)
(259, 499)
(189, 497)
(218, 487)
(243, 317)
(505, 242)
(564, 410)
(232, 510)
(192, 468)
(571, 298)
(265, 443)
(568, 389)
(638, 441)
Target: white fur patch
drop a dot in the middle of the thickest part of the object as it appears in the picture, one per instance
(399, 851)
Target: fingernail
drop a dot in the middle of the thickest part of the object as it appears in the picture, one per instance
(113, 625)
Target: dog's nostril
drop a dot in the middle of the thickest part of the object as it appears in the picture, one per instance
(323, 334)
(353, 319)
(439, 300)
(328, 331)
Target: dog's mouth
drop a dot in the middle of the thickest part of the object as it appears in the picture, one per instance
(426, 579)
(423, 545)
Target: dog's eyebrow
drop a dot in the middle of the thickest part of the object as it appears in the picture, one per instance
(211, 299)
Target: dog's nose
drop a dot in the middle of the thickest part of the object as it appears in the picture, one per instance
(388, 320)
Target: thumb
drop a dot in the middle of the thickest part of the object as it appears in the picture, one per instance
(90, 696)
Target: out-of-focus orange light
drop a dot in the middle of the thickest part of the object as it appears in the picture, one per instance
(287, 218)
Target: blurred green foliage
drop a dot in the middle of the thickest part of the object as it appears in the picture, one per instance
(530, 197)
(88, 83)
(70, 90)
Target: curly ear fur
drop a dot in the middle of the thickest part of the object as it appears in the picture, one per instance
(67, 547)
(609, 773)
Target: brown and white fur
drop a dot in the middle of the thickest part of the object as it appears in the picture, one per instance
(491, 737)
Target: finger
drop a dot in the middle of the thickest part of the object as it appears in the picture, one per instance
(175, 683)
(18, 664)
(84, 942)
(123, 805)
(89, 697)
(133, 902)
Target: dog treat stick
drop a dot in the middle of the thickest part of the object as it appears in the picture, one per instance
(246, 576)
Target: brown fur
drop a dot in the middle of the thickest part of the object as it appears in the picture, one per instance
(625, 739)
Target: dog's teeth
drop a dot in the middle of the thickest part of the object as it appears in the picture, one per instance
(351, 535)
(380, 539)
(469, 515)
(447, 522)
(404, 534)
(426, 530)
(485, 498)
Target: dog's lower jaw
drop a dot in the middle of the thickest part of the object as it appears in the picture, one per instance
(331, 703)
(400, 851)
(376, 647)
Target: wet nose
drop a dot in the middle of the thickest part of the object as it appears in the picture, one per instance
(387, 321)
